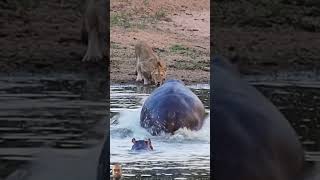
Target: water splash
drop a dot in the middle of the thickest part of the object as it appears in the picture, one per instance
(127, 124)
(183, 154)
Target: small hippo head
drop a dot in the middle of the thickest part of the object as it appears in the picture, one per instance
(141, 145)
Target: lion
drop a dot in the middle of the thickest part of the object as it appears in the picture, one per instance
(94, 29)
(149, 68)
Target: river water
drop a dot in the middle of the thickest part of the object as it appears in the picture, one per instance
(184, 155)
(58, 112)
(39, 112)
(297, 96)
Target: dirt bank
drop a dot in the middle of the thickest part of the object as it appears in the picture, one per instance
(268, 36)
(42, 37)
(178, 30)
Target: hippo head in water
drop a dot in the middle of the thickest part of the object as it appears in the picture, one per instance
(170, 107)
(141, 145)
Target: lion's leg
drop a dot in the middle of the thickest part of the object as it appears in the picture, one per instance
(138, 71)
(146, 81)
(137, 63)
(139, 78)
(94, 50)
(145, 78)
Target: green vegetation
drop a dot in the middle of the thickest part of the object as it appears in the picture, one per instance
(131, 19)
(146, 2)
(115, 45)
(23, 5)
(180, 49)
(120, 19)
(191, 65)
(191, 53)
(177, 48)
(160, 14)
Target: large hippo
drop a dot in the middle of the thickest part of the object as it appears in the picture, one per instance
(170, 107)
(139, 145)
(251, 138)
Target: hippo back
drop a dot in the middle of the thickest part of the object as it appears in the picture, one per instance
(252, 139)
(170, 107)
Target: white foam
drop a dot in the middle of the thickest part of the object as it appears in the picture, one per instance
(130, 119)
(185, 150)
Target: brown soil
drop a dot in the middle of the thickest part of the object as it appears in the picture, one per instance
(42, 37)
(268, 36)
(178, 30)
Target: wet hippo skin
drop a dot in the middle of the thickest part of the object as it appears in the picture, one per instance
(170, 107)
(251, 139)
(139, 145)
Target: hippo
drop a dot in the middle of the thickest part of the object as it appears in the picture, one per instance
(141, 145)
(170, 107)
(251, 138)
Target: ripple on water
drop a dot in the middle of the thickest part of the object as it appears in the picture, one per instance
(174, 156)
(42, 111)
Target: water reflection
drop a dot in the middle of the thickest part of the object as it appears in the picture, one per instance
(37, 112)
(301, 106)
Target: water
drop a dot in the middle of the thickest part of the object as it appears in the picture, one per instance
(186, 154)
(298, 100)
(39, 112)
(60, 111)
